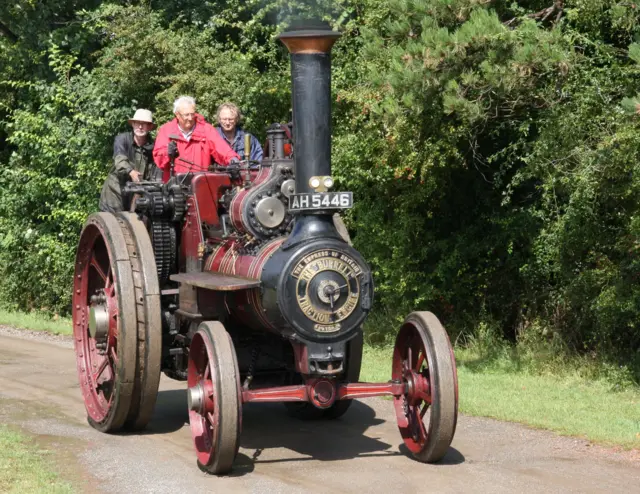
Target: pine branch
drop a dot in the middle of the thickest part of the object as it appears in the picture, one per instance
(557, 8)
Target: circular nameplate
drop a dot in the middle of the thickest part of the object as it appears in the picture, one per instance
(327, 288)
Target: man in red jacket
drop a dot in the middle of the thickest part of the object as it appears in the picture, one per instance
(192, 141)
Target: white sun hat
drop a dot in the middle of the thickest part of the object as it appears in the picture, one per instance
(142, 115)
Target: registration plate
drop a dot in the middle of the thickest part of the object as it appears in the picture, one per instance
(311, 201)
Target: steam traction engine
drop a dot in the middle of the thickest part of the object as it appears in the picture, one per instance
(241, 285)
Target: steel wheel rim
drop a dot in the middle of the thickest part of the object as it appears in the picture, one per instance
(204, 425)
(411, 364)
(97, 367)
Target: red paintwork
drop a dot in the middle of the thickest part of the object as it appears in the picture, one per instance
(226, 259)
(208, 188)
(202, 207)
(192, 235)
(367, 390)
(280, 393)
(304, 392)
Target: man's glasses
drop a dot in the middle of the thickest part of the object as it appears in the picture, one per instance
(187, 115)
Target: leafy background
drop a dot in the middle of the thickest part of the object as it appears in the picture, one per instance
(492, 146)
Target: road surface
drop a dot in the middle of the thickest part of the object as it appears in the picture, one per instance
(361, 453)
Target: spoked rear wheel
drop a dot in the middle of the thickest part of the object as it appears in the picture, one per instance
(117, 326)
(214, 398)
(149, 323)
(427, 413)
(104, 323)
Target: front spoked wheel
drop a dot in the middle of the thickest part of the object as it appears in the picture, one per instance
(428, 411)
(214, 398)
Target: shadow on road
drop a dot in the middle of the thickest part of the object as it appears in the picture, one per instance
(267, 426)
(170, 413)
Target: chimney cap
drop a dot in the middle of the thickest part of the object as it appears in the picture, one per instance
(309, 40)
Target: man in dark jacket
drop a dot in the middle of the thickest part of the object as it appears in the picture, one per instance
(228, 117)
(132, 160)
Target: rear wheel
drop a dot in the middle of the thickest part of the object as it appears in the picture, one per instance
(427, 413)
(148, 313)
(104, 323)
(214, 398)
(117, 327)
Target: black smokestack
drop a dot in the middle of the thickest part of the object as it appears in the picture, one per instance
(310, 53)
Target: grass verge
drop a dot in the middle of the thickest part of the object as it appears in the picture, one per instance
(36, 322)
(24, 467)
(568, 404)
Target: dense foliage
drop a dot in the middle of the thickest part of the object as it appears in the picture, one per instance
(492, 145)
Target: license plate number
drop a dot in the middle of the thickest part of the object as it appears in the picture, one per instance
(311, 201)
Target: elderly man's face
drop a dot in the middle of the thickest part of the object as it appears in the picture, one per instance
(227, 120)
(186, 116)
(141, 129)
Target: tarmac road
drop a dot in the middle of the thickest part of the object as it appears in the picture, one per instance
(359, 453)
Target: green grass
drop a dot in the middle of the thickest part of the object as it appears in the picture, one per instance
(36, 322)
(24, 467)
(569, 403)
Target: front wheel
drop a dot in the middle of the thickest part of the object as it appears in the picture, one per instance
(428, 412)
(214, 398)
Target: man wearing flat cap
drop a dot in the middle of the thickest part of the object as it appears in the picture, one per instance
(132, 160)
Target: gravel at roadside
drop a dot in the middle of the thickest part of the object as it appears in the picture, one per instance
(65, 341)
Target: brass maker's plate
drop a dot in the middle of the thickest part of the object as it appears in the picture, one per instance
(327, 288)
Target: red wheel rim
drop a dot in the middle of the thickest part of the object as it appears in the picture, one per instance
(411, 364)
(96, 355)
(205, 425)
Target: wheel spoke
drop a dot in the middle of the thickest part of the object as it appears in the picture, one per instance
(421, 429)
(212, 420)
(424, 410)
(98, 268)
(114, 356)
(103, 365)
(425, 397)
(420, 361)
(108, 286)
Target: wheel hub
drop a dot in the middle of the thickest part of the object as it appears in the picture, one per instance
(323, 393)
(418, 388)
(195, 398)
(199, 397)
(99, 319)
